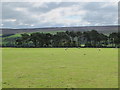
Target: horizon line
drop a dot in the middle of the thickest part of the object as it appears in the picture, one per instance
(55, 27)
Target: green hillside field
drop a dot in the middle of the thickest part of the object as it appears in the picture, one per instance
(60, 68)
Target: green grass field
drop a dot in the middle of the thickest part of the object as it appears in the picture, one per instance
(60, 68)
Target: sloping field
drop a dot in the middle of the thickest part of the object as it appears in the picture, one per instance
(60, 68)
(100, 29)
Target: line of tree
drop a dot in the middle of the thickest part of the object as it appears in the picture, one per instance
(69, 39)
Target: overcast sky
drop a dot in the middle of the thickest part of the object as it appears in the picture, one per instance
(51, 14)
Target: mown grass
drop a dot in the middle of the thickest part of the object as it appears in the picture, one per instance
(60, 68)
(0, 68)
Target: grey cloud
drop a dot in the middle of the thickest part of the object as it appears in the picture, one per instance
(95, 13)
(98, 14)
(8, 12)
(51, 6)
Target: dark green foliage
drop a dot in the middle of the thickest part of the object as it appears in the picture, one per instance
(69, 39)
(6, 35)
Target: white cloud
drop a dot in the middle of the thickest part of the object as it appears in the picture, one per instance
(32, 25)
(1, 24)
(39, 4)
(20, 9)
(63, 15)
(9, 20)
(60, 1)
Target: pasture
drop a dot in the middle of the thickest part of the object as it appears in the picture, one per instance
(60, 68)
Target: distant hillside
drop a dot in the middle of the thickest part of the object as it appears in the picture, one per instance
(101, 29)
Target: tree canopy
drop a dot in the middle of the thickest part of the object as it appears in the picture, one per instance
(69, 39)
